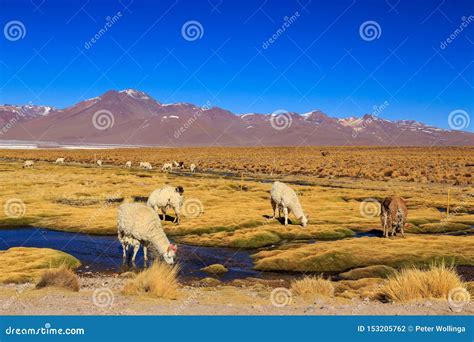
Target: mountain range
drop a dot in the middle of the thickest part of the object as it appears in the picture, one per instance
(132, 117)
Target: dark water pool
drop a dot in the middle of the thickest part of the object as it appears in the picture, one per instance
(369, 233)
(103, 253)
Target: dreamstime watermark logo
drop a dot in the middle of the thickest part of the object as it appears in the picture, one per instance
(465, 21)
(281, 119)
(458, 298)
(458, 119)
(287, 22)
(109, 22)
(14, 208)
(103, 119)
(465, 200)
(192, 30)
(9, 302)
(189, 300)
(369, 208)
(178, 133)
(192, 208)
(14, 30)
(370, 30)
(281, 297)
(103, 297)
(47, 329)
(10, 123)
(379, 109)
(92, 219)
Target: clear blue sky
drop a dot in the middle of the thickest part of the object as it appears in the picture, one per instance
(319, 62)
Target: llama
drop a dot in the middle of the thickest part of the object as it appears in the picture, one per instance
(284, 198)
(393, 215)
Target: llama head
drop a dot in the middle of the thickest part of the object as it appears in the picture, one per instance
(170, 254)
(304, 220)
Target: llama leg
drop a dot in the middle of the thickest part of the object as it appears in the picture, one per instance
(402, 229)
(124, 252)
(163, 212)
(155, 207)
(145, 255)
(273, 207)
(285, 211)
(136, 247)
(177, 218)
(393, 230)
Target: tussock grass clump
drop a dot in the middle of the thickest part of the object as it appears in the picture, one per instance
(62, 277)
(313, 287)
(411, 284)
(159, 281)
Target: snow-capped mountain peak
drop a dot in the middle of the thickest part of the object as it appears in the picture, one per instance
(136, 94)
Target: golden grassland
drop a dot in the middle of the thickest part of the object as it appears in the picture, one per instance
(234, 212)
(343, 255)
(446, 165)
(22, 264)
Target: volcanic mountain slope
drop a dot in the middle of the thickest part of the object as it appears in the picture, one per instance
(132, 117)
(12, 113)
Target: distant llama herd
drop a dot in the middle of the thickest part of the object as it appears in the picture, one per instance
(140, 224)
(167, 167)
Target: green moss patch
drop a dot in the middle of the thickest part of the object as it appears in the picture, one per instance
(215, 269)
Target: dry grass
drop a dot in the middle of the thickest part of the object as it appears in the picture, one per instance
(24, 264)
(76, 197)
(62, 277)
(412, 164)
(361, 288)
(375, 271)
(343, 255)
(411, 284)
(311, 287)
(159, 281)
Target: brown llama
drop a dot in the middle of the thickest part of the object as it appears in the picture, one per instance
(393, 215)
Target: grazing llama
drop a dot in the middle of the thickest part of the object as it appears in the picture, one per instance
(393, 215)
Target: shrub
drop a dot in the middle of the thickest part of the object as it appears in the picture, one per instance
(415, 284)
(59, 277)
(312, 287)
(159, 281)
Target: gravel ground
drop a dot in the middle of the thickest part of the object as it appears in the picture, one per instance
(100, 295)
